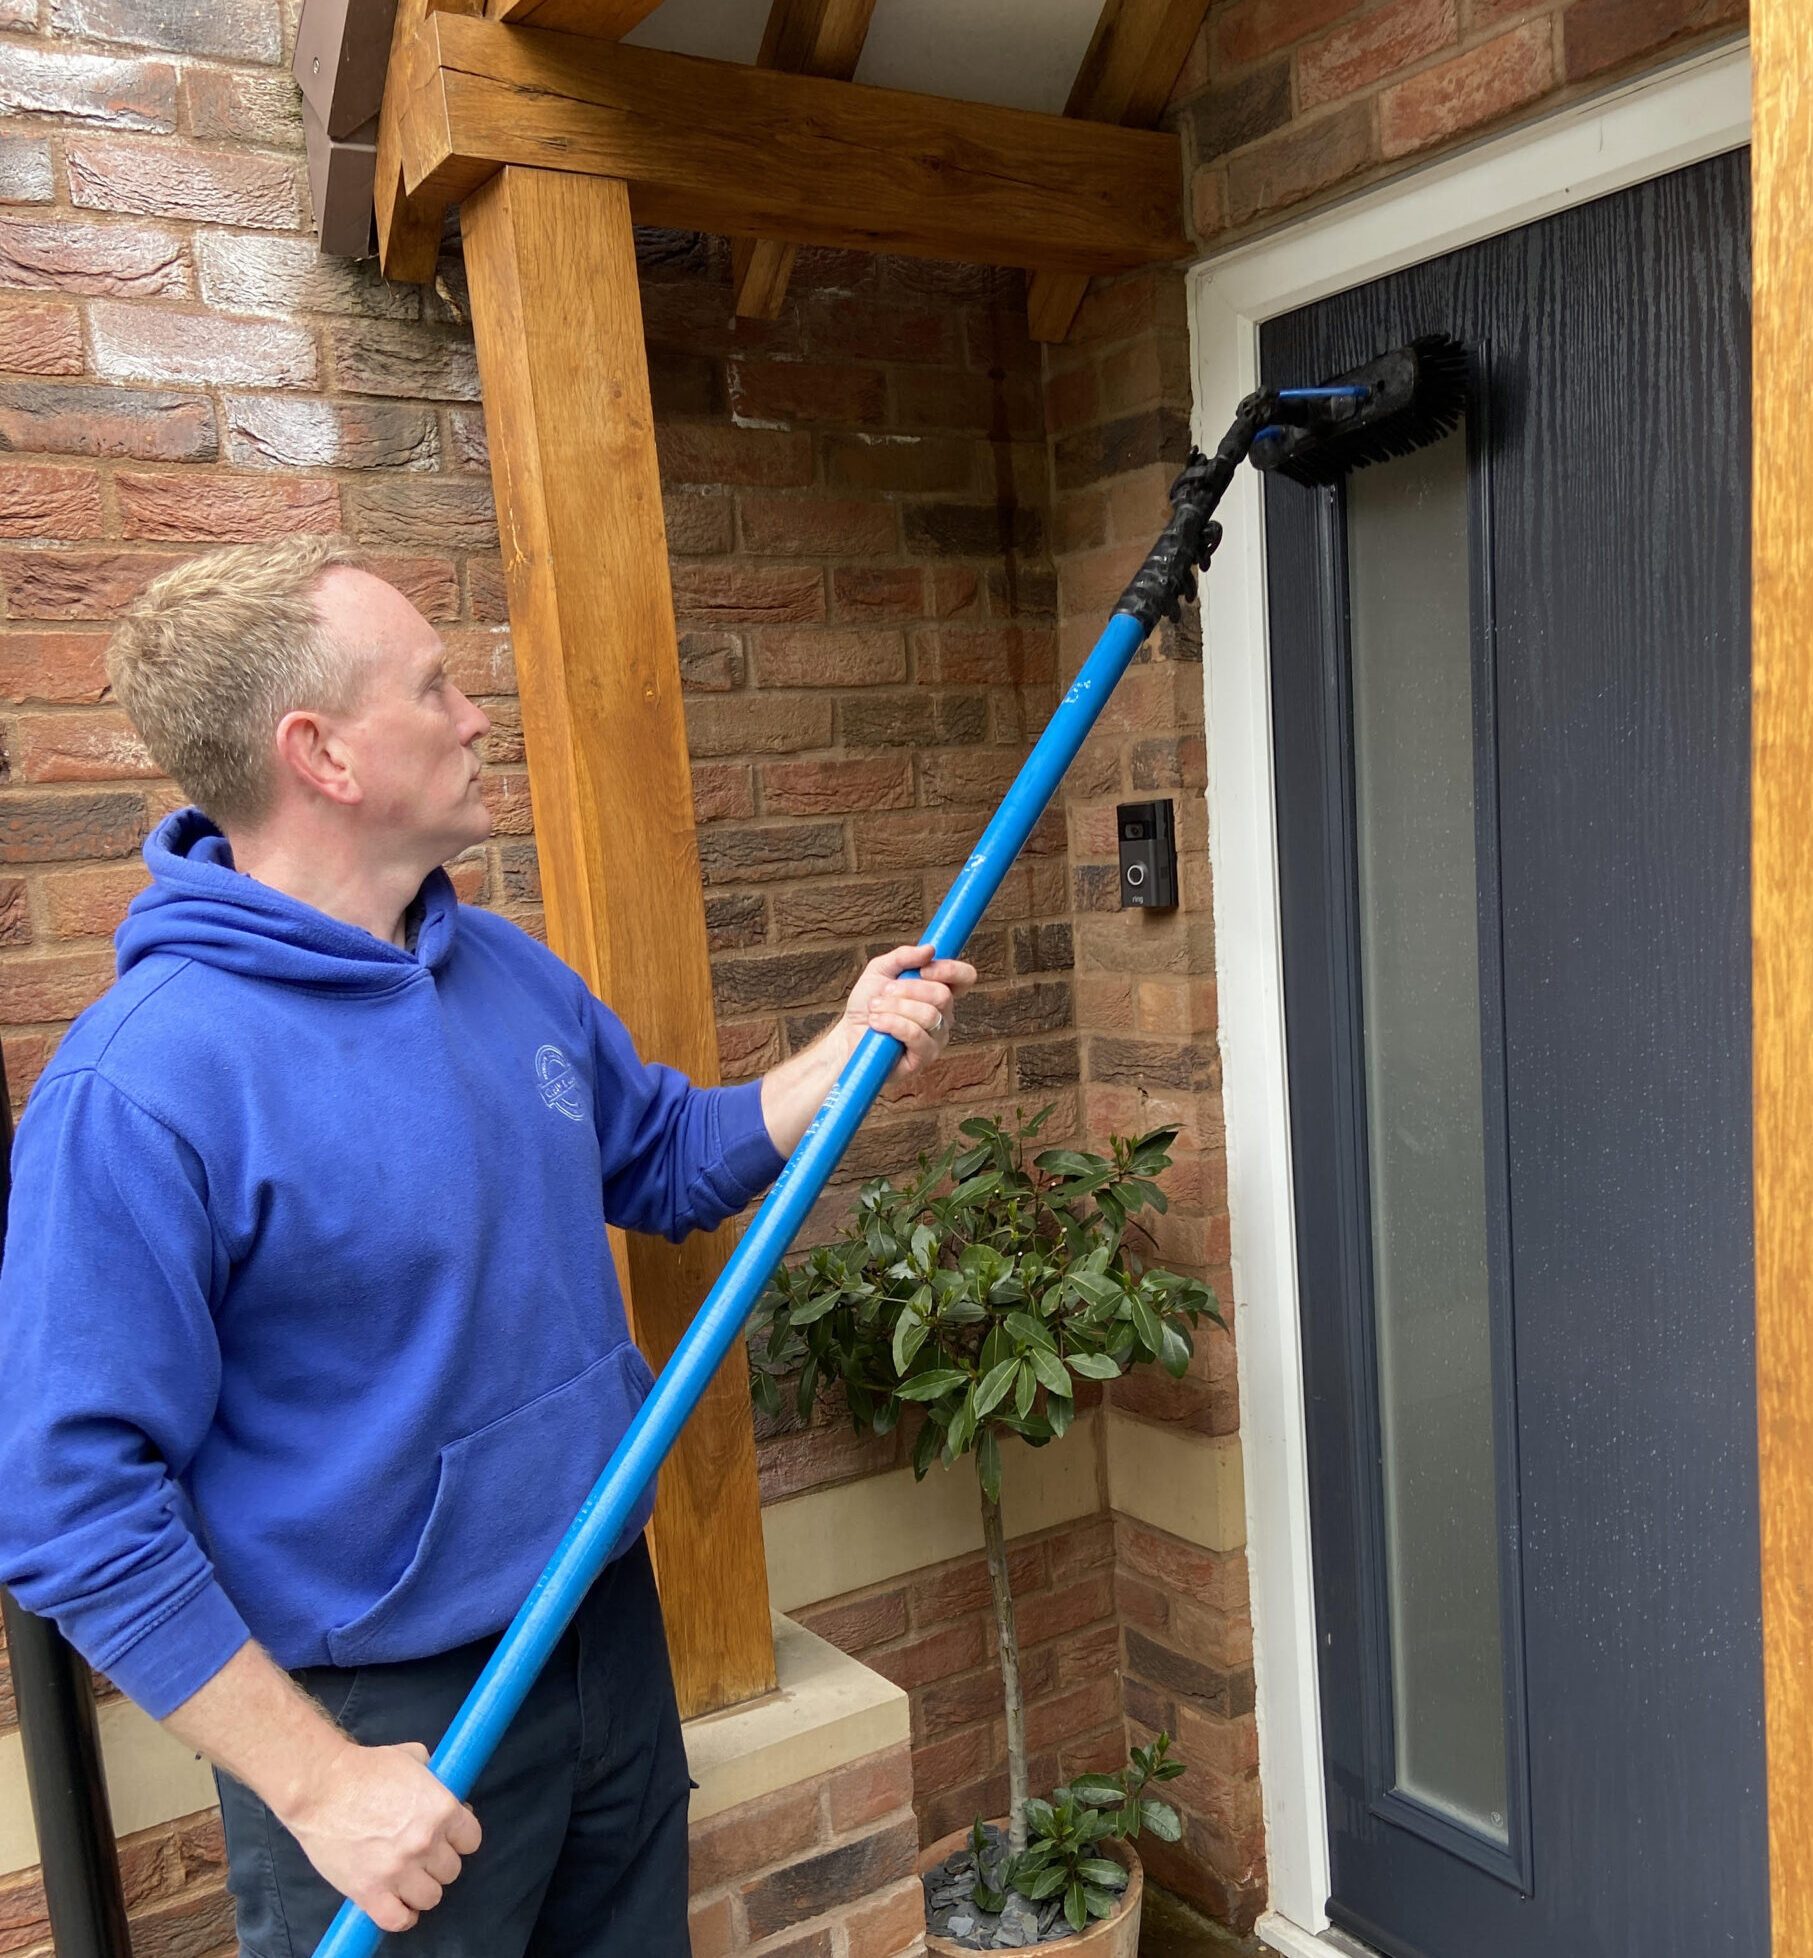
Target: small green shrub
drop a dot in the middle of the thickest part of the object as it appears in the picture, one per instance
(972, 1299)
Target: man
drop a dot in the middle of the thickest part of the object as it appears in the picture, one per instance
(313, 1339)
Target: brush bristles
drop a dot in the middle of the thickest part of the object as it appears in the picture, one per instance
(1417, 408)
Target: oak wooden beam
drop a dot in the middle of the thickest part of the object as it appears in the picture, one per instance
(1138, 49)
(1781, 41)
(608, 19)
(721, 146)
(803, 37)
(558, 320)
(409, 228)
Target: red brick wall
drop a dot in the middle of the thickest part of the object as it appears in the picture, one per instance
(174, 1879)
(1117, 398)
(932, 1632)
(1287, 102)
(824, 1870)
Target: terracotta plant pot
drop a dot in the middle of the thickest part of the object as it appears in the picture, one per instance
(1108, 1937)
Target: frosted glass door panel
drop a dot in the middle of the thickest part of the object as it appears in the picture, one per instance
(1412, 694)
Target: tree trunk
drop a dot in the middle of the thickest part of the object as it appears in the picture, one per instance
(994, 1539)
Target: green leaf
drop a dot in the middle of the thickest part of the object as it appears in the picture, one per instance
(998, 1346)
(1026, 1384)
(995, 1384)
(1069, 1162)
(1175, 1353)
(986, 1899)
(909, 1335)
(1099, 1870)
(1093, 1366)
(925, 1247)
(1059, 1412)
(1099, 1793)
(989, 1465)
(928, 1386)
(1148, 1325)
(1029, 1331)
(1076, 1911)
(1051, 1370)
(813, 1308)
(976, 1189)
(1161, 1819)
(1040, 1816)
(1101, 1903)
(925, 1448)
(1044, 1884)
(1097, 1290)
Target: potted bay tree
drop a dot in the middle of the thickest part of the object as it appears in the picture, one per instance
(966, 1304)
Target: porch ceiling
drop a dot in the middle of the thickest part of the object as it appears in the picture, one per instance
(1020, 54)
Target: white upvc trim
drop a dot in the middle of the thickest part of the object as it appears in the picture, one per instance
(1677, 116)
(1290, 1940)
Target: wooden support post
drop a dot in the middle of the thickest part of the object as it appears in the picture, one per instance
(558, 320)
(1782, 927)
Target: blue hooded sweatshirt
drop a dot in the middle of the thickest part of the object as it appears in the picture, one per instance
(310, 1324)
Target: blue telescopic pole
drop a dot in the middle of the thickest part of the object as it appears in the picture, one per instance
(585, 1549)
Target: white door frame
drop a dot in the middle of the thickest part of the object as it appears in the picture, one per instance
(1676, 116)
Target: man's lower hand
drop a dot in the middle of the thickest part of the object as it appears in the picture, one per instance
(383, 1831)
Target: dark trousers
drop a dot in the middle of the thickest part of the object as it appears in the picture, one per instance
(583, 1806)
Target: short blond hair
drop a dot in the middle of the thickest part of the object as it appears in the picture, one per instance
(214, 654)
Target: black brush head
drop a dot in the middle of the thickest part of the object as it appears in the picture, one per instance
(1415, 395)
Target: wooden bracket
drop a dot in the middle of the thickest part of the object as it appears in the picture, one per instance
(1127, 76)
(805, 37)
(610, 20)
(409, 228)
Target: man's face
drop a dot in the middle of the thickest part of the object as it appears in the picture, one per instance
(411, 736)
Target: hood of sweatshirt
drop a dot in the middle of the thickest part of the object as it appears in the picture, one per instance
(200, 907)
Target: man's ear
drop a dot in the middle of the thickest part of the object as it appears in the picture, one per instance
(315, 756)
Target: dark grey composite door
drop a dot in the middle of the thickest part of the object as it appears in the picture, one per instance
(1510, 701)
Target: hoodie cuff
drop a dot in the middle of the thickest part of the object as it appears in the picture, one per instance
(181, 1653)
(751, 1161)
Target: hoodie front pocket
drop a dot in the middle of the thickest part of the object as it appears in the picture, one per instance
(503, 1499)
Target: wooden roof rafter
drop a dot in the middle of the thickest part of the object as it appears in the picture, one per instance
(803, 37)
(752, 152)
(1135, 56)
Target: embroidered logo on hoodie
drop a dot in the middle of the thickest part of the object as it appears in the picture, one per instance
(559, 1084)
